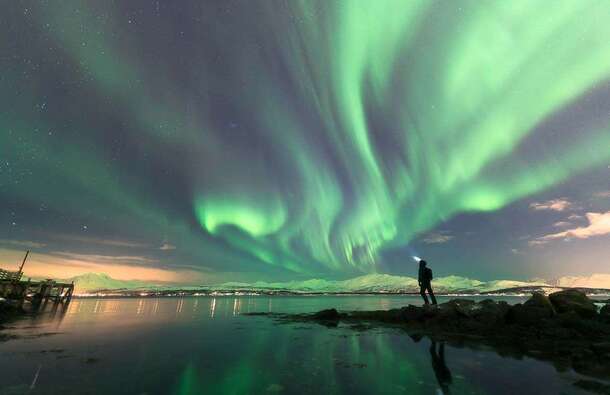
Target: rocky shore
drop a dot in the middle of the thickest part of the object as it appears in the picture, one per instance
(566, 327)
(9, 311)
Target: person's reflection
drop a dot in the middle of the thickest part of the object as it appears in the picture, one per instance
(442, 373)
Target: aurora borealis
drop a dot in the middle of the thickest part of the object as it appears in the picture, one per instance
(298, 139)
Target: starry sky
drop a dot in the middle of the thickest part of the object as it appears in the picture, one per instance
(209, 141)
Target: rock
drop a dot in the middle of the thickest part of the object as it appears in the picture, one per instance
(556, 333)
(457, 307)
(582, 329)
(573, 300)
(463, 303)
(593, 386)
(542, 301)
(602, 348)
(9, 311)
(413, 314)
(564, 328)
(449, 313)
(489, 302)
(327, 315)
(526, 315)
(532, 312)
(604, 314)
(489, 312)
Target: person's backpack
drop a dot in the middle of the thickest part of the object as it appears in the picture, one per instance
(429, 276)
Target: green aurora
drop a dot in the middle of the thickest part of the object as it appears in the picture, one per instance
(308, 136)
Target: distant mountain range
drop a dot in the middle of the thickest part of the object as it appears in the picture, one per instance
(370, 283)
(101, 281)
(385, 283)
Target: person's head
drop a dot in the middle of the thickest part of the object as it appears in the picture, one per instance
(422, 264)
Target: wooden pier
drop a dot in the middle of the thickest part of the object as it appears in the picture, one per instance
(13, 288)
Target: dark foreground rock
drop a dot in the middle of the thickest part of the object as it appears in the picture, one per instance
(593, 386)
(573, 301)
(564, 328)
(9, 311)
(604, 314)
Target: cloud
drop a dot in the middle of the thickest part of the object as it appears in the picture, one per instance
(105, 259)
(167, 247)
(603, 194)
(575, 217)
(597, 280)
(536, 242)
(105, 242)
(437, 237)
(560, 204)
(66, 264)
(599, 225)
(23, 243)
(562, 224)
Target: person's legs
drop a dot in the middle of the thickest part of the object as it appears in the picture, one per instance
(429, 288)
(422, 292)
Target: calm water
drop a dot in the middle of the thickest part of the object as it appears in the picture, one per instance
(204, 345)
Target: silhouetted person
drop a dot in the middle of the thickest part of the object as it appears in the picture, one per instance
(441, 371)
(425, 282)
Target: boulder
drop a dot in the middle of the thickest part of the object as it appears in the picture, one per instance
(602, 348)
(327, 315)
(451, 311)
(527, 315)
(9, 311)
(604, 314)
(592, 386)
(464, 303)
(457, 307)
(540, 300)
(489, 312)
(573, 300)
(582, 329)
(411, 313)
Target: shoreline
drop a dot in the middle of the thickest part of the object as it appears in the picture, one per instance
(564, 328)
(138, 293)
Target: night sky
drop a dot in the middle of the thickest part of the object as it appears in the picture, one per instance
(209, 141)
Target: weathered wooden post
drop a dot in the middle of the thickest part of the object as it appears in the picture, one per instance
(68, 296)
(20, 272)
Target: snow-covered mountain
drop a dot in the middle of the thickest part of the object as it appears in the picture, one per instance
(370, 283)
(383, 283)
(89, 282)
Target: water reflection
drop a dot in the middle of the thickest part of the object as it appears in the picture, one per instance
(212, 307)
(206, 346)
(157, 309)
(179, 306)
(49, 313)
(441, 371)
(228, 306)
